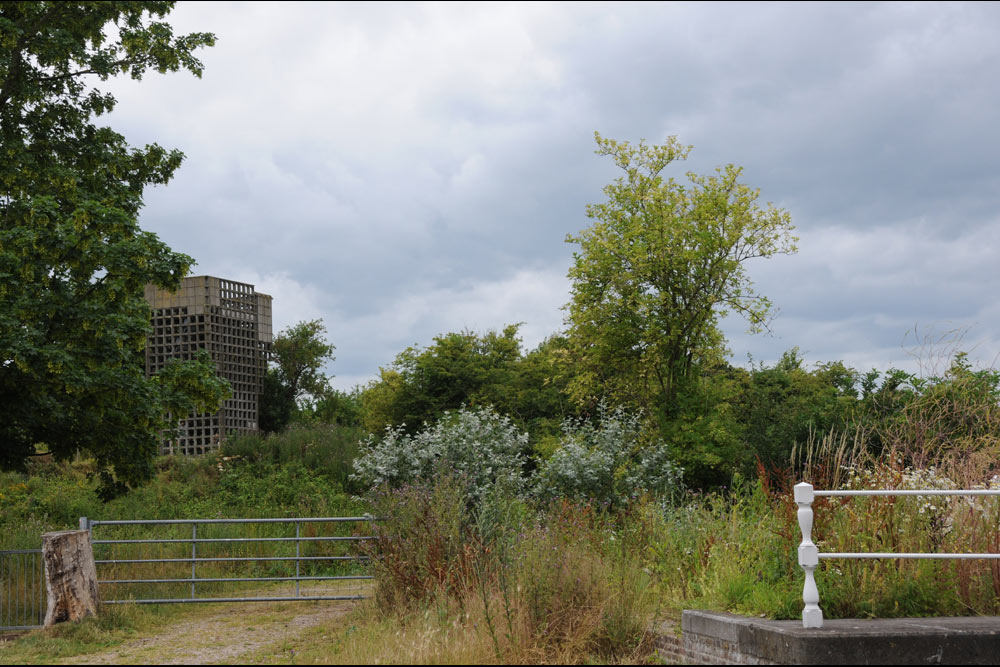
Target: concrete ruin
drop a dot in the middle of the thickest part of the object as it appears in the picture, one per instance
(232, 322)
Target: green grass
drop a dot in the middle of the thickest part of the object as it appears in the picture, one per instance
(738, 553)
(115, 626)
(302, 472)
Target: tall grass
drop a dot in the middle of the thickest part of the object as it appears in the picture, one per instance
(736, 550)
(548, 585)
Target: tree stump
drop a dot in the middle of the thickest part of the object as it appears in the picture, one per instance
(70, 576)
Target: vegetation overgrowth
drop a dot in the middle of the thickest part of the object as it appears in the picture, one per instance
(499, 561)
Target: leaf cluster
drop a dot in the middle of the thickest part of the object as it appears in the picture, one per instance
(73, 260)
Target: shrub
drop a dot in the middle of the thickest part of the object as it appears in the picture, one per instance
(324, 449)
(607, 462)
(477, 446)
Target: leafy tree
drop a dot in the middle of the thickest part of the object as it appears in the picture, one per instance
(537, 394)
(703, 430)
(73, 260)
(473, 370)
(275, 407)
(342, 408)
(296, 376)
(457, 369)
(784, 405)
(660, 265)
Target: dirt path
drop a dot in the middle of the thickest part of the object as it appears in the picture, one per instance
(223, 635)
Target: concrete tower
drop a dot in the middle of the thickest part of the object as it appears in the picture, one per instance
(232, 322)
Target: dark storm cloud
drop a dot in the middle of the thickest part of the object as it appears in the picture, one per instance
(406, 170)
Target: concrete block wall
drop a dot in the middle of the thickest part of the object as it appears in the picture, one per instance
(716, 638)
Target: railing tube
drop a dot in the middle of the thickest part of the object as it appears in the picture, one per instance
(194, 556)
(812, 615)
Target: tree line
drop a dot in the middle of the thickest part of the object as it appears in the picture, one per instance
(663, 260)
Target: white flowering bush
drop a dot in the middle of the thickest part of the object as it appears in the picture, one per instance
(475, 445)
(606, 462)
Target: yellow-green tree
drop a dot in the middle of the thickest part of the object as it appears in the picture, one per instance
(662, 262)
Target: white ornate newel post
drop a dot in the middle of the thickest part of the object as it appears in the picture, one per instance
(812, 615)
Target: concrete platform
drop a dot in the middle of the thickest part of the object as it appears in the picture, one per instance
(729, 638)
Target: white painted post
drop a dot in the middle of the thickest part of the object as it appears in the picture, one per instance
(812, 615)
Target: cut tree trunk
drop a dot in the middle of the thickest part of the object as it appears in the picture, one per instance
(70, 576)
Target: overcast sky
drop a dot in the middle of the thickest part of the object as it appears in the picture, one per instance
(403, 171)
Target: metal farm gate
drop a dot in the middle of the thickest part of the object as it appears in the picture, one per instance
(22, 589)
(203, 560)
(135, 567)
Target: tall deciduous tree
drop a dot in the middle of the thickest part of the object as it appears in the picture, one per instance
(299, 354)
(474, 370)
(73, 260)
(661, 264)
(459, 368)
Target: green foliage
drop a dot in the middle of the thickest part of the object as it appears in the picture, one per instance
(275, 406)
(537, 396)
(457, 369)
(302, 472)
(296, 377)
(932, 420)
(657, 269)
(782, 406)
(703, 434)
(733, 552)
(327, 450)
(607, 463)
(73, 260)
(472, 370)
(299, 354)
(342, 408)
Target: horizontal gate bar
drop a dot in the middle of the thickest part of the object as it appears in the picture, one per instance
(906, 555)
(912, 492)
(236, 539)
(135, 522)
(232, 559)
(274, 599)
(209, 580)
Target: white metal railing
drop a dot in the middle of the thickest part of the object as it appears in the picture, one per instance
(809, 555)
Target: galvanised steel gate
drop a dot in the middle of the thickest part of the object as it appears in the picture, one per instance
(22, 589)
(123, 559)
(317, 559)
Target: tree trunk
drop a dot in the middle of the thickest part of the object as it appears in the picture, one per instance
(70, 576)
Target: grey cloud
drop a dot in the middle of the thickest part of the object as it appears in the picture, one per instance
(393, 167)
